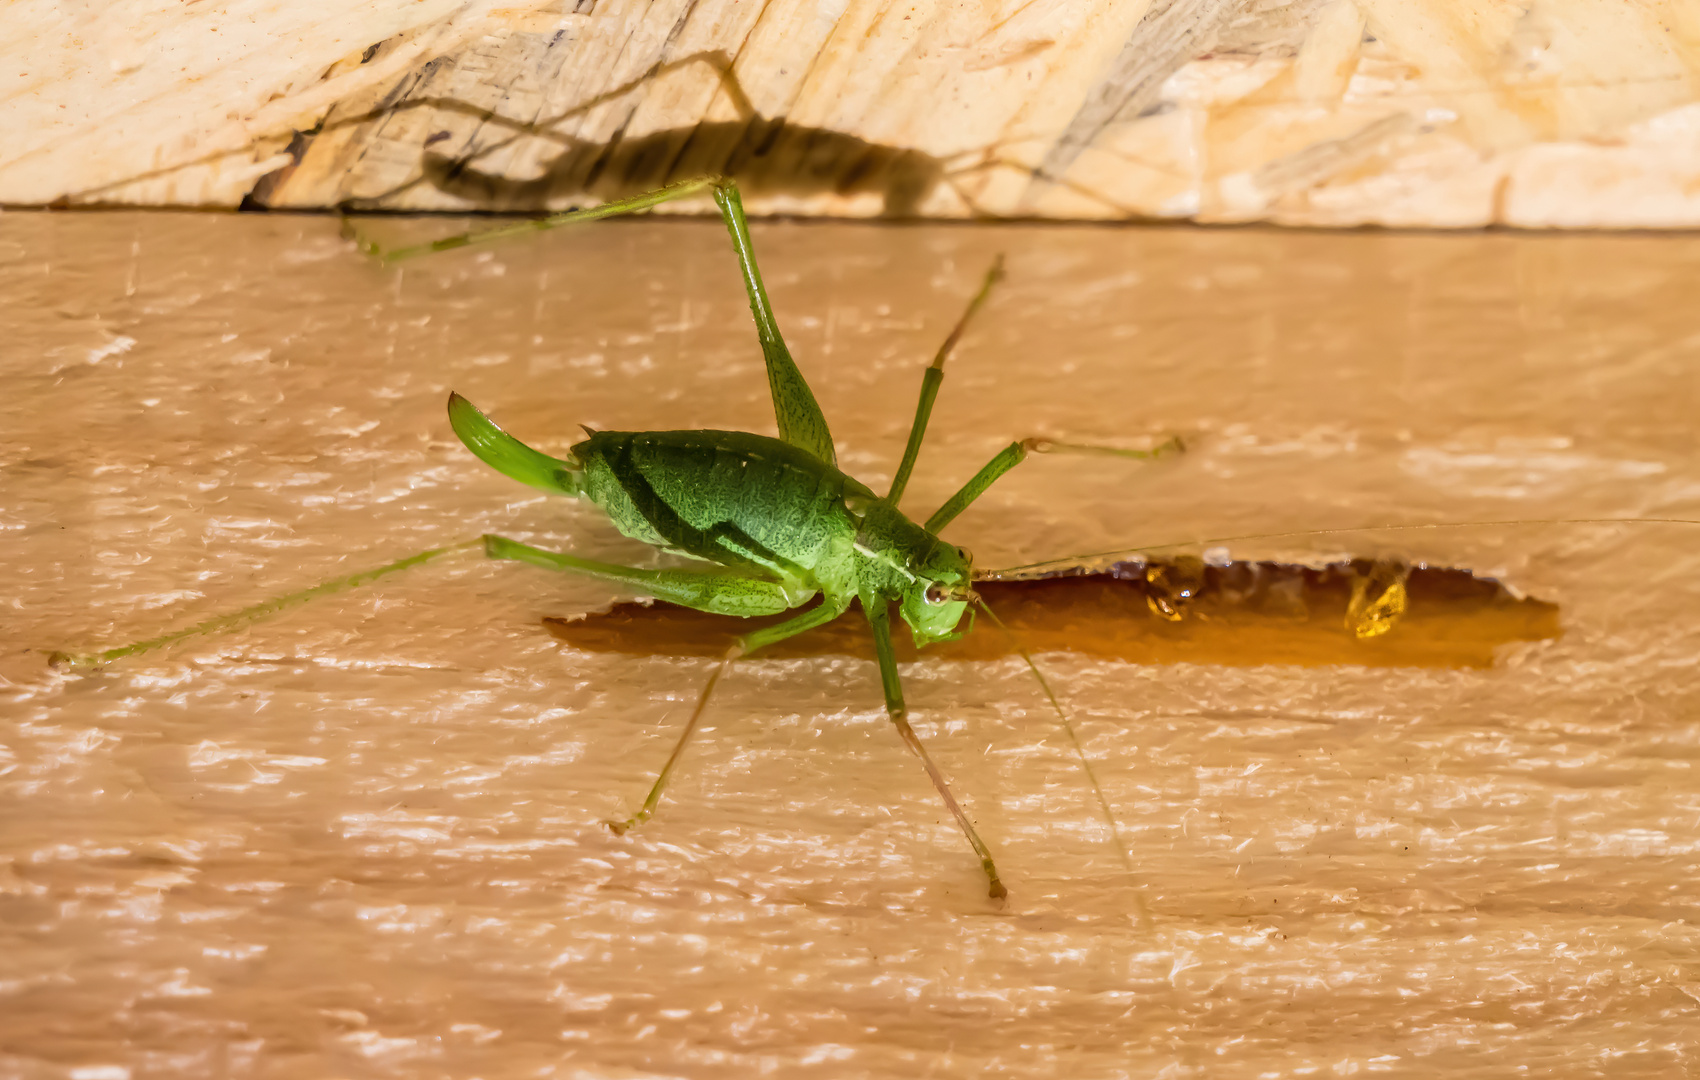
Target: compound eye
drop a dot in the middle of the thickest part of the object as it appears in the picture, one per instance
(965, 555)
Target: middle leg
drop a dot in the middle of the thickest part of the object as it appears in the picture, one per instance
(722, 592)
(1016, 452)
(932, 377)
(879, 620)
(827, 610)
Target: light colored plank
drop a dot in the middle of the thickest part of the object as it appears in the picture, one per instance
(363, 838)
(1319, 113)
(1312, 112)
(159, 103)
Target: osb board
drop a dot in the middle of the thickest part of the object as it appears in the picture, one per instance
(364, 838)
(156, 102)
(1321, 112)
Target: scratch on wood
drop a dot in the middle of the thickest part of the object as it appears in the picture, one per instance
(1172, 33)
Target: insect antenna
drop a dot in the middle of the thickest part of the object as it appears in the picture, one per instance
(1048, 567)
(1079, 750)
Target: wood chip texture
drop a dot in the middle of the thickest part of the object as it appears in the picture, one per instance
(1448, 113)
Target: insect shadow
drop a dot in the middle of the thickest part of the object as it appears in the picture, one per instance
(766, 156)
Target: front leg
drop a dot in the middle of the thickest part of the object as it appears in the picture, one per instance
(932, 378)
(879, 620)
(1016, 452)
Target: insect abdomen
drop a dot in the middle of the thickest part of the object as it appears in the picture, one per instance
(729, 496)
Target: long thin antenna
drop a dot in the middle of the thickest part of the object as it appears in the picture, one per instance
(1016, 573)
(1079, 750)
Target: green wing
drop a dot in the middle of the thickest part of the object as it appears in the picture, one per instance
(508, 455)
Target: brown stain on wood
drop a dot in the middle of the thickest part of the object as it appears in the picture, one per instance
(1245, 614)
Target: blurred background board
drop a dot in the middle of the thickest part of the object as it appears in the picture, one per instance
(1579, 113)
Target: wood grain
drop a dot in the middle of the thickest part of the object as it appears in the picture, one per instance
(1434, 113)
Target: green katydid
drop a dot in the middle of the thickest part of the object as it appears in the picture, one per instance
(781, 524)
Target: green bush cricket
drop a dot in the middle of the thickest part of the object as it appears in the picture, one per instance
(769, 524)
(782, 522)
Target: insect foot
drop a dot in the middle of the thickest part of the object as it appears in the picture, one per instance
(1172, 445)
(900, 718)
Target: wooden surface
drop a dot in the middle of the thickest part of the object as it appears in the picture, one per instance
(1576, 113)
(364, 838)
